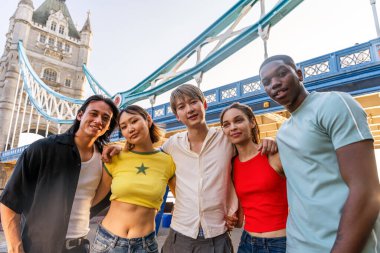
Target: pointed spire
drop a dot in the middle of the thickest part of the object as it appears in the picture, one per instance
(87, 24)
(42, 13)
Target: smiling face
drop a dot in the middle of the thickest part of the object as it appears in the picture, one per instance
(95, 120)
(237, 126)
(135, 128)
(283, 84)
(191, 111)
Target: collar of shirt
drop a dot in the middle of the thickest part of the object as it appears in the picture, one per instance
(204, 190)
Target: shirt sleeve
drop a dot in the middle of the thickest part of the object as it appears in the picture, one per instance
(344, 120)
(167, 146)
(20, 188)
(172, 168)
(109, 167)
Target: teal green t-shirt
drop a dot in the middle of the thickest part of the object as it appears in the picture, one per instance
(307, 141)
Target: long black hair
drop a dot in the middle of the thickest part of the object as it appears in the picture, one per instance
(115, 113)
(155, 132)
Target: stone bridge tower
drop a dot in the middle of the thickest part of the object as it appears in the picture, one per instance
(56, 50)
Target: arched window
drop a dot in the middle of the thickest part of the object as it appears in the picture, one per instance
(61, 29)
(50, 75)
(68, 82)
(67, 48)
(51, 42)
(42, 38)
(53, 26)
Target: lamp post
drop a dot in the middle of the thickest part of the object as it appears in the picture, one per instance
(374, 11)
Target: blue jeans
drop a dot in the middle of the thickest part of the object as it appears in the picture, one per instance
(250, 244)
(106, 242)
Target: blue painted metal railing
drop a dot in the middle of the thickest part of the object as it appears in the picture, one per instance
(250, 33)
(354, 64)
(94, 84)
(347, 70)
(30, 77)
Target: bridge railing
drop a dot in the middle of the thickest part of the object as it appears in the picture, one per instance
(328, 65)
(345, 60)
(12, 154)
(339, 64)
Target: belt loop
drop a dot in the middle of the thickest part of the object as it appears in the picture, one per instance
(212, 241)
(143, 242)
(174, 235)
(114, 241)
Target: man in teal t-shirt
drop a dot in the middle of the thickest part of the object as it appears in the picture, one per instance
(326, 149)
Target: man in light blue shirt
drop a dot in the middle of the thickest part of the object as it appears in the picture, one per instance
(326, 149)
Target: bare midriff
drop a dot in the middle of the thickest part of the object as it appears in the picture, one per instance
(129, 220)
(271, 234)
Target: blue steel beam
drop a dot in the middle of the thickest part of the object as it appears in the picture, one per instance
(94, 84)
(25, 69)
(355, 70)
(137, 93)
(218, 26)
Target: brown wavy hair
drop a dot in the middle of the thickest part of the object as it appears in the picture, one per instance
(251, 117)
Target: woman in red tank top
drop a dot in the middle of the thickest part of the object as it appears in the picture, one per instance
(259, 182)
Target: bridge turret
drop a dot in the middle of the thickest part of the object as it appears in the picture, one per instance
(85, 39)
(22, 20)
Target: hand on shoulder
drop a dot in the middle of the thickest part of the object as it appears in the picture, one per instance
(109, 151)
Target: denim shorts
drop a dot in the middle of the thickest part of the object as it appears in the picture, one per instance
(106, 242)
(250, 244)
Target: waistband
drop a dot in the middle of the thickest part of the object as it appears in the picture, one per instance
(260, 240)
(71, 243)
(121, 241)
(175, 235)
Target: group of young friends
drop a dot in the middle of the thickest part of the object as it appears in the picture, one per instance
(323, 195)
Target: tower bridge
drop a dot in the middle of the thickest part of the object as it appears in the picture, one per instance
(39, 98)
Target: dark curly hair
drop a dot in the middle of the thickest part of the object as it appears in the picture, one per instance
(115, 114)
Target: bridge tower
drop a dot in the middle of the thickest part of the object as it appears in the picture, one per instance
(56, 51)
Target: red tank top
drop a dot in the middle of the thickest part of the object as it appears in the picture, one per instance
(262, 194)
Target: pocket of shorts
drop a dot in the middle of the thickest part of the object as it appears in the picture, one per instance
(278, 245)
(100, 245)
(151, 246)
(228, 244)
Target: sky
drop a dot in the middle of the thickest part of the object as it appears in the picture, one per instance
(133, 38)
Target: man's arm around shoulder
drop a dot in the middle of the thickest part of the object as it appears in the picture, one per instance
(10, 221)
(358, 169)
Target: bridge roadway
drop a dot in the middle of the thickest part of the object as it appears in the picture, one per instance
(355, 70)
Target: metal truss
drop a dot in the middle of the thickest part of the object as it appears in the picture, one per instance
(225, 39)
(50, 104)
(95, 86)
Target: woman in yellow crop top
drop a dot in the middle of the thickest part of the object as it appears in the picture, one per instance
(137, 178)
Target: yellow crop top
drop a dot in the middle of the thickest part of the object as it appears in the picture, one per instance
(140, 178)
